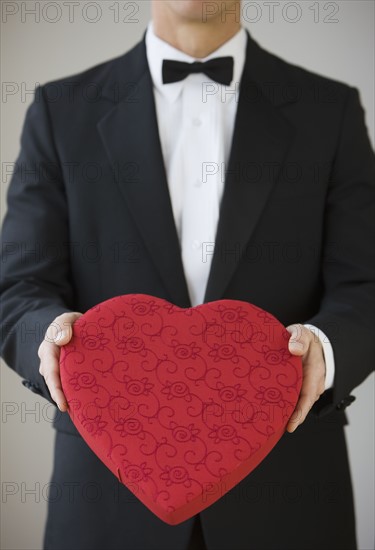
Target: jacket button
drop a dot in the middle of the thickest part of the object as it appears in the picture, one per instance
(345, 402)
(31, 386)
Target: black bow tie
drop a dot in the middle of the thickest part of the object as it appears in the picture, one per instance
(219, 69)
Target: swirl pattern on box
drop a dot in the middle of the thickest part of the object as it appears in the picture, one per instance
(180, 404)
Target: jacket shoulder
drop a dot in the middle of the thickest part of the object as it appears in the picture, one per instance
(287, 80)
(306, 77)
(93, 80)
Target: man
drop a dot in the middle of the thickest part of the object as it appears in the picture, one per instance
(131, 190)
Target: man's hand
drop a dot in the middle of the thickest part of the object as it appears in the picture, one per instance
(304, 343)
(58, 334)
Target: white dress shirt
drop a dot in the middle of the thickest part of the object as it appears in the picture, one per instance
(196, 121)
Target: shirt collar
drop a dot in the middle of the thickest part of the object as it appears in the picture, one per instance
(157, 50)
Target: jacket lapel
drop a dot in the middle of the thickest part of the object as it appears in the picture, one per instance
(260, 141)
(130, 135)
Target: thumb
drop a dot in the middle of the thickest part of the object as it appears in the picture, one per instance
(65, 332)
(298, 343)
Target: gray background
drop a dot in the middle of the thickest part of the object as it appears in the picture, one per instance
(335, 39)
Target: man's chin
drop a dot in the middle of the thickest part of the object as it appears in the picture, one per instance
(198, 10)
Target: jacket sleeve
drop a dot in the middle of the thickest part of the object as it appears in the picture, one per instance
(35, 279)
(347, 311)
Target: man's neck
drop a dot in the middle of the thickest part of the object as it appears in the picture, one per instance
(194, 38)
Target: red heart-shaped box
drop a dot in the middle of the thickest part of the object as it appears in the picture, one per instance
(180, 404)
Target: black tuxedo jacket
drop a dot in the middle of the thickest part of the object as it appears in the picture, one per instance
(89, 217)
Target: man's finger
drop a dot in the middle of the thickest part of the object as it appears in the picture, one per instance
(60, 331)
(53, 382)
(49, 369)
(49, 355)
(300, 338)
(58, 334)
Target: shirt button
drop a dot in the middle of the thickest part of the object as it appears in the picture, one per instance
(196, 121)
(195, 244)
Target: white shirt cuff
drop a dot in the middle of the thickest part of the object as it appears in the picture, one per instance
(328, 355)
